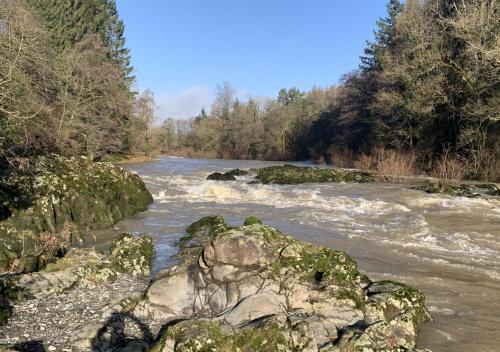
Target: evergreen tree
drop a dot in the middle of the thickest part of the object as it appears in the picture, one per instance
(383, 37)
(69, 21)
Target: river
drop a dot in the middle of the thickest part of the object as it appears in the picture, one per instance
(446, 246)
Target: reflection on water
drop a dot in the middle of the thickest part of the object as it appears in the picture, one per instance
(448, 247)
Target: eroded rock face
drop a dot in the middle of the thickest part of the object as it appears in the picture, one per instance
(61, 194)
(252, 288)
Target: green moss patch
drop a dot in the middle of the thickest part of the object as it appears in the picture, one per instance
(290, 174)
(64, 191)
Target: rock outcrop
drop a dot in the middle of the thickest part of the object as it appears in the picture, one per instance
(227, 176)
(55, 198)
(460, 190)
(254, 289)
(290, 174)
(86, 266)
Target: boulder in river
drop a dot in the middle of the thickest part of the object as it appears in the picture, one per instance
(460, 190)
(55, 197)
(227, 176)
(251, 288)
(290, 174)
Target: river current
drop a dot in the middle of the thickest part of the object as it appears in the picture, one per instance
(448, 247)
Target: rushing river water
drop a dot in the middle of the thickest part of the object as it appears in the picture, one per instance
(448, 247)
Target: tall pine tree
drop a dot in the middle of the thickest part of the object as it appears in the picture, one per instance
(69, 21)
(383, 37)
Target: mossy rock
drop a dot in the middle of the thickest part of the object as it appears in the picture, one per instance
(295, 296)
(290, 174)
(132, 256)
(59, 191)
(460, 190)
(217, 176)
(251, 220)
(237, 172)
(490, 188)
(204, 335)
(447, 188)
(207, 227)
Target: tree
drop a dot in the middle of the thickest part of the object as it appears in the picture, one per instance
(287, 97)
(143, 118)
(27, 84)
(224, 100)
(69, 21)
(383, 37)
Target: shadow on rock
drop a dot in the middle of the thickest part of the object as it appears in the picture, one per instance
(123, 332)
(29, 346)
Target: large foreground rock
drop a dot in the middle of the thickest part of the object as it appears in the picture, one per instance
(43, 208)
(253, 289)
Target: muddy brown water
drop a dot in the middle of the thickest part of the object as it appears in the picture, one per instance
(449, 247)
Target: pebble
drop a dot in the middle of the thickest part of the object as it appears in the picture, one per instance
(54, 320)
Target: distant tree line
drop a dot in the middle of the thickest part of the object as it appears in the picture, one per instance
(424, 99)
(66, 83)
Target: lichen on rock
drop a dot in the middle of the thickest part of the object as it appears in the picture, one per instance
(59, 193)
(252, 288)
(85, 266)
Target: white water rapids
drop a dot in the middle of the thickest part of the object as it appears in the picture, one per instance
(448, 247)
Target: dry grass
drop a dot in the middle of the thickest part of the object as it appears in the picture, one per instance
(393, 163)
(388, 163)
(449, 167)
(342, 159)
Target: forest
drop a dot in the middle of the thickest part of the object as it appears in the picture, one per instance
(424, 99)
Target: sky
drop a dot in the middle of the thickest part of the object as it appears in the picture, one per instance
(182, 49)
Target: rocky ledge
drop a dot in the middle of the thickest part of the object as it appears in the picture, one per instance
(252, 288)
(291, 174)
(43, 208)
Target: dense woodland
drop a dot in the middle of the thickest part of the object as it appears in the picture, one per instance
(425, 98)
(65, 80)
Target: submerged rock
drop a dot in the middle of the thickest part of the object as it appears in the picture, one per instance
(460, 190)
(253, 289)
(57, 194)
(290, 174)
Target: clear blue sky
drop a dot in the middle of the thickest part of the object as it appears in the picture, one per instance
(181, 49)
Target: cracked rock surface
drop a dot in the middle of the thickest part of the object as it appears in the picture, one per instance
(254, 289)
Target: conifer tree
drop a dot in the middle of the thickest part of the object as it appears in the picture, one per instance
(69, 21)
(383, 37)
